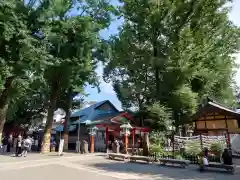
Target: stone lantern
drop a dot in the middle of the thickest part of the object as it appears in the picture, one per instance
(92, 133)
(125, 130)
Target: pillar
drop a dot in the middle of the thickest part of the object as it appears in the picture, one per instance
(107, 136)
(91, 143)
(133, 138)
(228, 141)
(126, 143)
(201, 143)
(173, 146)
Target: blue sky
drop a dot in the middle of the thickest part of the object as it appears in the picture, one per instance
(107, 92)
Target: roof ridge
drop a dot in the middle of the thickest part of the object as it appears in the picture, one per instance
(88, 109)
(219, 104)
(222, 107)
(91, 105)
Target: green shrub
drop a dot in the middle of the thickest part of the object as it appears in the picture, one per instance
(192, 148)
(217, 147)
(156, 148)
(178, 156)
(157, 138)
(156, 142)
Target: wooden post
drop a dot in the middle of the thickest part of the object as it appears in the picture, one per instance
(228, 141)
(173, 146)
(126, 143)
(133, 138)
(91, 143)
(201, 143)
(107, 137)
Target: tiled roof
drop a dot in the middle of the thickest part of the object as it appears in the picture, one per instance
(214, 104)
(87, 110)
(223, 107)
(61, 128)
(91, 113)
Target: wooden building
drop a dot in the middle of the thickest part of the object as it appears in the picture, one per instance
(107, 118)
(216, 120)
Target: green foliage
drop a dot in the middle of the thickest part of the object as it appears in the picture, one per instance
(156, 148)
(29, 105)
(178, 156)
(74, 41)
(173, 52)
(22, 54)
(193, 148)
(45, 52)
(1, 83)
(157, 137)
(157, 140)
(159, 117)
(217, 147)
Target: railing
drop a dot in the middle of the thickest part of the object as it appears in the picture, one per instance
(155, 156)
(193, 159)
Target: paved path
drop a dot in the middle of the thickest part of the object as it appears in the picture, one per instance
(95, 167)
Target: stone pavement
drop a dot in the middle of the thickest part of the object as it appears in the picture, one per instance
(95, 167)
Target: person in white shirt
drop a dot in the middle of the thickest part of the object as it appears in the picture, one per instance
(26, 146)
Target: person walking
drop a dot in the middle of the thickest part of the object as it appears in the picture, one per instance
(4, 145)
(32, 142)
(19, 146)
(15, 143)
(10, 143)
(26, 146)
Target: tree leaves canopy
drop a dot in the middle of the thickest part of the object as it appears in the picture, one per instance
(175, 53)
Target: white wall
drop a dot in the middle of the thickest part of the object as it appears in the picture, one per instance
(235, 142)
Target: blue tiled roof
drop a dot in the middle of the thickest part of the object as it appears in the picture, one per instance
(60, 128)
(105, 114)
(91, 113)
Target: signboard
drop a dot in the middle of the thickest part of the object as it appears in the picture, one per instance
(60, 149)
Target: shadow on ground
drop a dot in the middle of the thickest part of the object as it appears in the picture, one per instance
(158, 172)
(102, 155)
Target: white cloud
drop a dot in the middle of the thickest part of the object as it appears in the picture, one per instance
(105, 87)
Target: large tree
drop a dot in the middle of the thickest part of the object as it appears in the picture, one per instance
(22, 53)
(175, 53)
(74, 44)
(29, 104)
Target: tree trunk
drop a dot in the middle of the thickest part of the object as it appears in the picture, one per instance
(4, 100)
(157, 81)
(67, 119)
(47, 131)
(3, 113)
(156, 71)
(146, 144)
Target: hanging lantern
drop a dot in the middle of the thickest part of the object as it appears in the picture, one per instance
(125, 129)
(93, 130)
